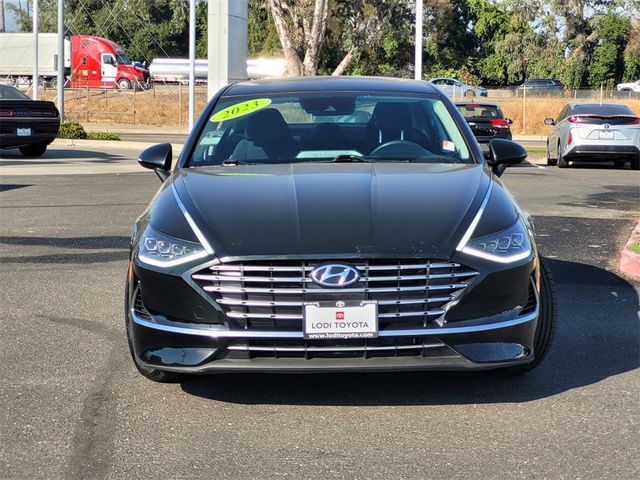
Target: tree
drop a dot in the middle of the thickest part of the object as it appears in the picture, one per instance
(610, 36)
(301, 27)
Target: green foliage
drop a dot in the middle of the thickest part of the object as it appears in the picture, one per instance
(72, 130)
(103, 136)
(581, 42)
(607, 65)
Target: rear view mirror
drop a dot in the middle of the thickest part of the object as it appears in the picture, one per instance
(549, 121)
(157, 158)
(505, 153)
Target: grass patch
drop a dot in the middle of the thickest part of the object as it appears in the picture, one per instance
(635, 247)
(103, 136)
(536, 150)
(72, 130)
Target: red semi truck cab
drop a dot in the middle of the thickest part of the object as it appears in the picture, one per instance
(100, 63)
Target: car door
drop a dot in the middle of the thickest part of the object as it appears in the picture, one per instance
(108, 68)
(554, 134)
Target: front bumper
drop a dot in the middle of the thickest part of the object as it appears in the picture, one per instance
(189, 348)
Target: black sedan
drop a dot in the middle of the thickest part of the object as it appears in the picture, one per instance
(486, 121)
(332, 224)
(26, 124)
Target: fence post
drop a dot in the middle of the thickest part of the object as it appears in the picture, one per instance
(134, 106)
(601, 92)
(86, 103)
(524, 109)
(179, 104)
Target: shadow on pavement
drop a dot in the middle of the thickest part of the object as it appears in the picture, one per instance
(12, 158)
(597, 338)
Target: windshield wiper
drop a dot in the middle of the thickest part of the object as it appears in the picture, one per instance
(345, 157)
(231, 162)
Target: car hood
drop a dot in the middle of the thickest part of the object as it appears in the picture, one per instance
(341, 210)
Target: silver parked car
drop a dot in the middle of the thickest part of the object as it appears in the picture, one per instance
(608, 132)
(455, 88)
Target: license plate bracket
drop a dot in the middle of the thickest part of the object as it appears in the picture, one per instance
(342, 320)
(605, 135)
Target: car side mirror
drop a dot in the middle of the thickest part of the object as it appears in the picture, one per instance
(505, 153)
(509, 121)
(549, 121)
(157, 158)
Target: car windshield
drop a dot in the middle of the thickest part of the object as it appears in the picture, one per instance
(11, 93)
(121, 58)
(471, 110)
(329, 126)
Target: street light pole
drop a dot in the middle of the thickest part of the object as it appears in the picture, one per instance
(36, 76)
(192, 61)
(418, 41)
(61, 59)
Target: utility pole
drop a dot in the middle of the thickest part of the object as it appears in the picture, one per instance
(61, 59)
(36, 76)
(418, 41)
(2, 24)
(192, 61)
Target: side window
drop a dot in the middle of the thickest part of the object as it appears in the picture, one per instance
(563, 114)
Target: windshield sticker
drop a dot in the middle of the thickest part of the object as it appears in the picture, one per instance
(240, 109)
(448, 146)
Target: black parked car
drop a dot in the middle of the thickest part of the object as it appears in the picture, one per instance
(296, 241)
(26, 124)
(486, 121)
(541, 86)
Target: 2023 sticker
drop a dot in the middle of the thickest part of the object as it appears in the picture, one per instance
(240, 109)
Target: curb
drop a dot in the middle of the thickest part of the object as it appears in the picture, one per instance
(64, 142)
(630, 261)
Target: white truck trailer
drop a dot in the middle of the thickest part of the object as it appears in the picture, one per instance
(17, 56)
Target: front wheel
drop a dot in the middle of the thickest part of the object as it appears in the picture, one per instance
(33, 150)
(545, 331)
(124, 84)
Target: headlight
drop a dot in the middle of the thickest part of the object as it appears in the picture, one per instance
(160, 250)
(507, 246)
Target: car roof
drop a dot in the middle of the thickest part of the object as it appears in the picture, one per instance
(598, 109)
(330, 83)
(479, 104)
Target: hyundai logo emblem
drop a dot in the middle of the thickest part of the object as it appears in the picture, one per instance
(334, 275)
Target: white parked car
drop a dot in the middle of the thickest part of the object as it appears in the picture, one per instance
(629, 87)
(455, 88)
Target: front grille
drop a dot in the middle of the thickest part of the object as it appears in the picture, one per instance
(271, 295)
(353, 348)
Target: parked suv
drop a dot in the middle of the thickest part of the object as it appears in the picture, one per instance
(541, 86)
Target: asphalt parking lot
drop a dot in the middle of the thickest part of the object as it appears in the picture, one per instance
(74, 407)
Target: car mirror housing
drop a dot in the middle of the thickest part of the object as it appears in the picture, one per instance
(505, 153)
(549, 121)
(157, 158)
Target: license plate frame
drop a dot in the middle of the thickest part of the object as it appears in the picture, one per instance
(340, 320)
(605, 135)
(23, 132)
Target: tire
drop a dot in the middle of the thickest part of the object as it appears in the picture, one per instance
(618, 164)
(562, 162)
(53, 83)
(635, 164)
(124, 84)
(33, 150)
(153, 374)
(547, 322)
(550, 161)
